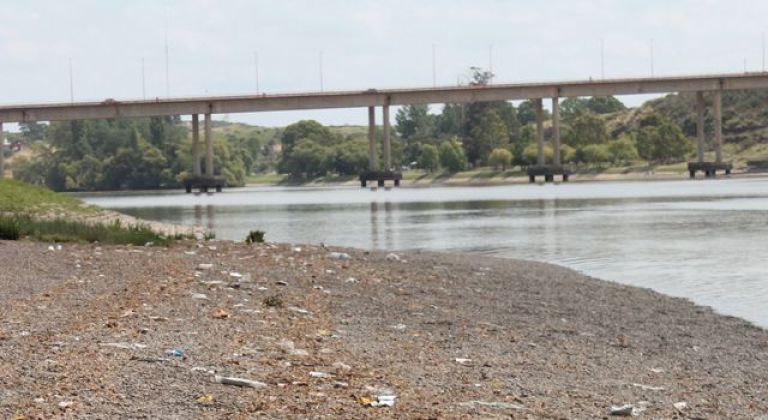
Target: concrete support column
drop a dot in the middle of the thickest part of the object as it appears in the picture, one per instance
(387, 141)
(718, 126)
(539, 132)
(556, 131)
(209, 144)
(373, 161)
(2, 152)
(196, 145)
(700, 136)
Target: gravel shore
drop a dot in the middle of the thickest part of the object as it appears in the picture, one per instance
(104, 332)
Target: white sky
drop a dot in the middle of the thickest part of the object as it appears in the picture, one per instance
(364, 44)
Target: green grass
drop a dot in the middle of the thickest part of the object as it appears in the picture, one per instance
(18, 197)
(60, 230)
(36, 213)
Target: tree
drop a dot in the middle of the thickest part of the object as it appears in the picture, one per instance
(570, 108)
(587, 128)
(308, 159)
(452, 156)
(500, 158)
(622, 150)
(32, 131)
(414, 121)
(604, 104)
(659, 139)
(663, 143)
(429, 159)
(306, 129)
(530, 153)
(567, 153)
(487, 134)
(594, 153)
(350, 157)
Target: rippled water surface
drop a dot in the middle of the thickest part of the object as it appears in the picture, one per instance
(704, 240)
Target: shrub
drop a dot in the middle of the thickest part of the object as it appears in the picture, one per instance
(500, 158)
(452, 156)
(255, 236)
(9, 229)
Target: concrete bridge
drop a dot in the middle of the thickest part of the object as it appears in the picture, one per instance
(372, 98)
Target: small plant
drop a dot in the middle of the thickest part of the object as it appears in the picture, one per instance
(255, 236)
(9, 229)
(274, 301)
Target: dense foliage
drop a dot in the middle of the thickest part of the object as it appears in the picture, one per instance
(126, 154)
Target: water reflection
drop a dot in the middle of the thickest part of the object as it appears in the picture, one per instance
(701, 240)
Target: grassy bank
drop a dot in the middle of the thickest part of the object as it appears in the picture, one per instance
(36, 213)
(20, 198)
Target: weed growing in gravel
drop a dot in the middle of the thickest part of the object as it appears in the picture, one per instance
(273, 301)
(255, 236)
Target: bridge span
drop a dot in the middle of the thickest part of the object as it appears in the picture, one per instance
(384, 98)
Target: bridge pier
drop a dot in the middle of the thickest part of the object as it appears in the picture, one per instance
(541, 168)
(2, 152)
(709, 168)
(207, 182)
(373, 173)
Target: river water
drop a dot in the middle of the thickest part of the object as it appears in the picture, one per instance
(703, 240)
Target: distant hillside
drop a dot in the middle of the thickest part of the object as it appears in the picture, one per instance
(745, 116)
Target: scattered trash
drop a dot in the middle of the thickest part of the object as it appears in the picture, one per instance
(316, 374)
(124, 346)
(392, 257)
(25, 334)
(203, 370)
(66, 404)
(648, 387)
(246, 383)
(377, 401)
(299, 310)
(190, 252)
(656, 370)
(206, 399)
(340, 384)
(680, 406)
(235, 275)
(399, 327)
(463, 361)
(350, 280)
(297, 249)
(624, 410)
(150, 359)
(204, 266)
(492, 404)
(339, 255)
(220, 314)
(323, 333)
(175, 353)
(281, 283)
(200, 296)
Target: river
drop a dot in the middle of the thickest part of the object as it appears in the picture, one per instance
(702, 240)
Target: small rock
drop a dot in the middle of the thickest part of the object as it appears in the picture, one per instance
(204, 266)
(350, 280)
(316, 374)
(224, 380)
(680, 406)
(339, 255)
(200, 296)
(341, 367)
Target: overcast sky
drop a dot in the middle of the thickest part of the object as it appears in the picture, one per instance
(364, 44)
